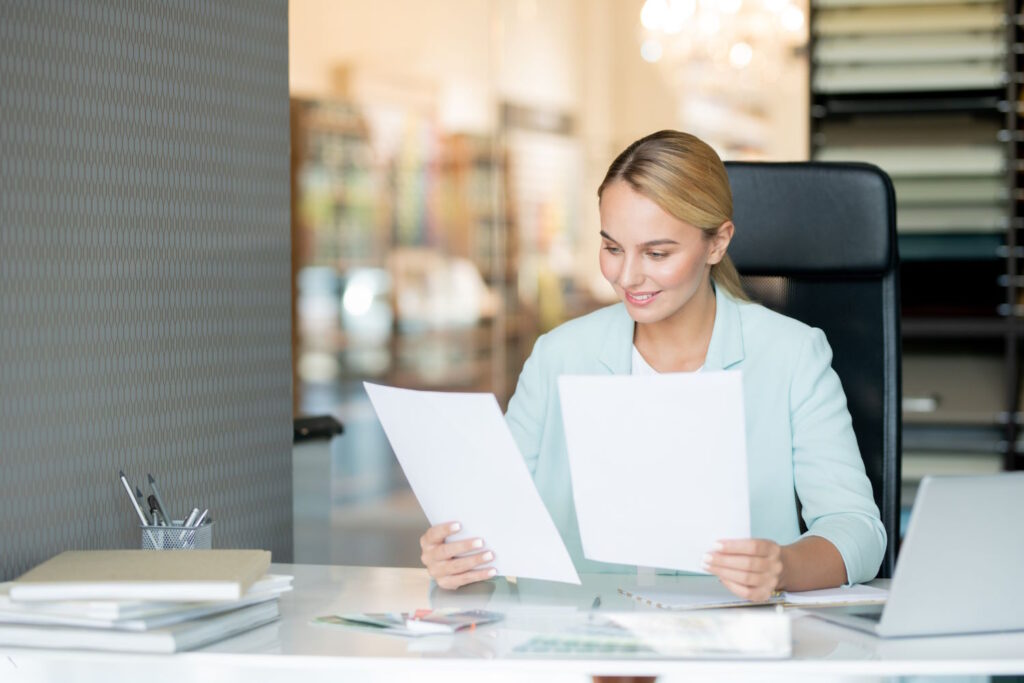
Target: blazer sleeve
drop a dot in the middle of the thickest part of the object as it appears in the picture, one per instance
(827, 467)
(528, 406)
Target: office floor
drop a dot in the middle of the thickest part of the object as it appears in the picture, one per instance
(353, 505)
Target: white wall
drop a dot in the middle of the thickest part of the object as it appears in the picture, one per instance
(440, 45)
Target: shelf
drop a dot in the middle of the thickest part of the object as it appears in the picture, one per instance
(924, 102)
(903, 78)
(951, 247)
(924, 161)
(954, 389)
(958, 439)
(917, 465)
(954, 328)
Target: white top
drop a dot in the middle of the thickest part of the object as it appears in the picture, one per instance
(642, 367)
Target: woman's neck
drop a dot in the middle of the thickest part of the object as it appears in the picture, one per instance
(679, 343)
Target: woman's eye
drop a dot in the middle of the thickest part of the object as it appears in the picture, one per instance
(657, 254)
(612, 250)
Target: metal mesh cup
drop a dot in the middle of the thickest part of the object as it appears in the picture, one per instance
(177, 537)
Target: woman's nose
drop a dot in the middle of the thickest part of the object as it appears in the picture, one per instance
(632, 273)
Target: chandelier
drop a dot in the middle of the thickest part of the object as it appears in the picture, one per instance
(703, 41)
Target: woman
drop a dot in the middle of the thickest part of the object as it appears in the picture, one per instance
(665, 208)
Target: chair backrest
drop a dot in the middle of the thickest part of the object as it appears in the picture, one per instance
(817, 242)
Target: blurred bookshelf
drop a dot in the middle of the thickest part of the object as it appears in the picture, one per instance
(405, 252)
(929, 90)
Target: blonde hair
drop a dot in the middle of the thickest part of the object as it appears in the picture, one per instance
(684, 176)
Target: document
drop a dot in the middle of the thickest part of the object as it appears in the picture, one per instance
(423, 622)
(658, 464)
(463, 465)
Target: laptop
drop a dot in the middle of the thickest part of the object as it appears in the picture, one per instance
(961, 565)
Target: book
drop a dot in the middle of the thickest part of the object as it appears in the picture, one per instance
(167, 575)
(419, 623)
(131, 615)
(176, 638)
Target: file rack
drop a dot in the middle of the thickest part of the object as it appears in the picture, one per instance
(930, 91)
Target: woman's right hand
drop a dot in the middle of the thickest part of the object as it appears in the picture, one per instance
(443, 562)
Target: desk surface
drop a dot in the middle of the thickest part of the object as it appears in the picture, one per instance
(293, 645)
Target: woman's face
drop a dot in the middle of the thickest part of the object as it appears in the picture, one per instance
(655, 262)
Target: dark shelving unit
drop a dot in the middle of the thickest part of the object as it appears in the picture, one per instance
(956, 157)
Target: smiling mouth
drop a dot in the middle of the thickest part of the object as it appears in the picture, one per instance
(640, 299)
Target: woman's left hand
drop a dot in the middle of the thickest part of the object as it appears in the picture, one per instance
(751, 568)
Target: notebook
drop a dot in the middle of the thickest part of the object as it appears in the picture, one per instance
(177, 638)
(131, 615)
(170, 575)
(708, 593)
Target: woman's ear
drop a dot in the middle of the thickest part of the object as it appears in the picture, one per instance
(720, 242)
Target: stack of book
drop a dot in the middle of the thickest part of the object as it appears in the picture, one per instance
(139, 600)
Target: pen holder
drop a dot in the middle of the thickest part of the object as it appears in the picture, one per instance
(177, 537)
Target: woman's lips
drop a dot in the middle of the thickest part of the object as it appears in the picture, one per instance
(640, 298)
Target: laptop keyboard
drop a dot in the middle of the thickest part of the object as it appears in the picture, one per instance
(870, 615)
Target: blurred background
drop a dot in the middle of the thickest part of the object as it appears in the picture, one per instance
(445, 161)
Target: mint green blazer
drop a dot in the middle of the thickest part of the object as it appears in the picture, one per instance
(800, 441)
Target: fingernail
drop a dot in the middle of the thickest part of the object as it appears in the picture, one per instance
(718, 546)
(491, 572)
(478, 543)
(488, 556)
(454, 527)
(706, 559)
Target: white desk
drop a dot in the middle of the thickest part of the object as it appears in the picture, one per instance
(297, 651)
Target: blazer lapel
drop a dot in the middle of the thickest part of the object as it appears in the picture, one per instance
(616, 353)
(726, 346)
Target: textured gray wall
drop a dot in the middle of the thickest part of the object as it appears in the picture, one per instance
(144, 270)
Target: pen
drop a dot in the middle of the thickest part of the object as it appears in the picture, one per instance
(135, 504)
(198, 523)
(138, 497)
(164, 512)
(188, 522)
(199, 520)
(155, 510)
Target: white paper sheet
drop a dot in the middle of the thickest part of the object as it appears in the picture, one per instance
(659, 465)
(463, 465)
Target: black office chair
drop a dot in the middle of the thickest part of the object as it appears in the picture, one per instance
(817, 242)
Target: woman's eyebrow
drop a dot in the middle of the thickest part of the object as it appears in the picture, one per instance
(651, 243)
